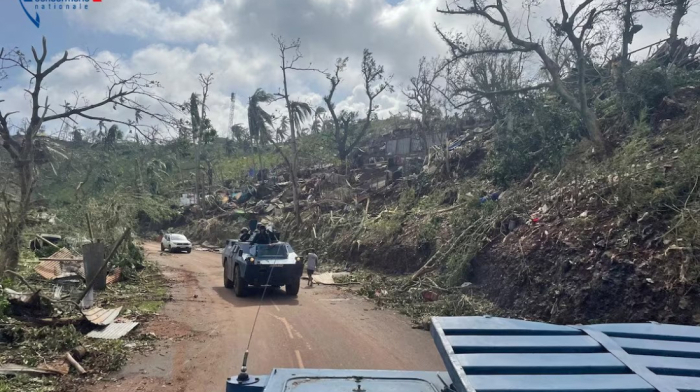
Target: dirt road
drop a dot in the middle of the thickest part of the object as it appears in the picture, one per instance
(206, 328)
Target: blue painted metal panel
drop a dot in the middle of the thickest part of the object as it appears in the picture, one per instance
(502, 355)
(671, 366)
(523, 344)
(303, 380)
(603, 363)
(683, 383)
(498, 326)
(558, 383)
(663, 348)
(650, 331)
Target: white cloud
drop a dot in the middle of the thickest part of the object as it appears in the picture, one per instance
(148, 19)
(232, 38)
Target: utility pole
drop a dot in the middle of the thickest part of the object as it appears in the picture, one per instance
(230, 116)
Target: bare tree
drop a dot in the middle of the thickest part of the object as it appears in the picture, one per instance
(290, 55)
(483, 82)
(678, 9)
(347, 131)
(123, 93)
(576, 27)
(201, 128)
(422, 96)
(628, 11)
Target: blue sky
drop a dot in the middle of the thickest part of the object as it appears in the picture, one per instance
(18, 29)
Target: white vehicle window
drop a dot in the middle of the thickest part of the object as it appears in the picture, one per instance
(178, 237)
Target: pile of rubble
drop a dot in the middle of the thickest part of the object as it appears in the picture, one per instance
(58, 292)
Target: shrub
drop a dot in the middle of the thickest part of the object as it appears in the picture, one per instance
(539, 130)
(647, 84)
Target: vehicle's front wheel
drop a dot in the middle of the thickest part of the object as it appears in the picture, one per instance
(189, 250)
(239, 284)
(170, 248)
(228, 283)
(292, 288)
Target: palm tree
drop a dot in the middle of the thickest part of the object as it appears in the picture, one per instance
(317, 125)
(238, 132)
(155, 170)
(283, 129)
(300, 111)
(113, 134)
(258, 119)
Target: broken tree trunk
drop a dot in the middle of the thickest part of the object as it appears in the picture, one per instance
(75, 363)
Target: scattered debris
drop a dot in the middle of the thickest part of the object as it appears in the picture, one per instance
(325, 278)
(113, 331)
(115, 276)
(64, 263)
(99, 316)
(74, 363)
(11, 369)
(21, 298)
(430, 296)
(58, 366)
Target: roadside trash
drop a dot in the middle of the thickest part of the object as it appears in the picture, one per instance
(430, 296)
(493, 197)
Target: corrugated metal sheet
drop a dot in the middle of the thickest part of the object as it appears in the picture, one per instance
(65, 254)
(391, 147)
(63, 263)
(496, 354)
(53, 269)
(113, 331)
(100, 316)
(115, 276)
(403, 146)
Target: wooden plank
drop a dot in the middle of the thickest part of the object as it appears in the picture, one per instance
(484, 325)
(561, 383)
(659, 347)
(485, 364)
(523, 344)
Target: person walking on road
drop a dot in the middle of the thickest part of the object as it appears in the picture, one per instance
(311, 263)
